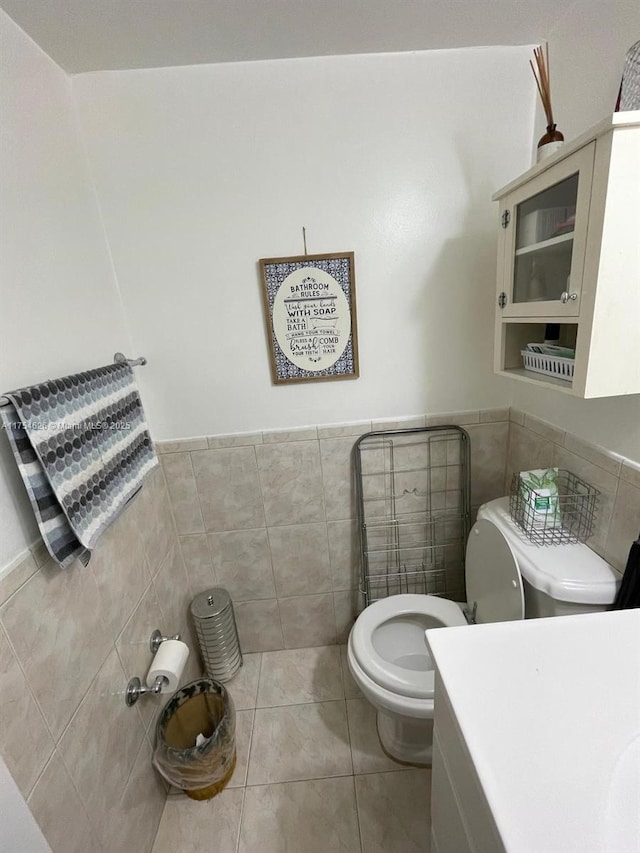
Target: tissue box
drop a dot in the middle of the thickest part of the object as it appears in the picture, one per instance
(539, 491)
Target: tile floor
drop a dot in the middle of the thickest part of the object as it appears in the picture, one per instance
(310, 775)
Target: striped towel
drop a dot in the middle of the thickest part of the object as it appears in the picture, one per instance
(83, 450)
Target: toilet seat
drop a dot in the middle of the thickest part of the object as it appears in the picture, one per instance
(418, 684)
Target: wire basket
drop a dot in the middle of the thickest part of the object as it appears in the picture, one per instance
(572, 514)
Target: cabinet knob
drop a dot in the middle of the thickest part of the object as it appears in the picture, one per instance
(568, 297)
(506, 218)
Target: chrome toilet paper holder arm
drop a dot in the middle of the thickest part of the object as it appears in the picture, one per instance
(135, 688)
(156, 639)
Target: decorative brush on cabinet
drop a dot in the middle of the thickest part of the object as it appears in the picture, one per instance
(569, 254)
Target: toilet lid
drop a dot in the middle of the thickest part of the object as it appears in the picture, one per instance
(492, 575)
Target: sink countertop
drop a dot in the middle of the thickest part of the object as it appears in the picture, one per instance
(549, 710)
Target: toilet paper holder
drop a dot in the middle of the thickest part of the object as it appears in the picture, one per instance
(135, 687)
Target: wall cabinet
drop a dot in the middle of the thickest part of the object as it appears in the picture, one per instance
(569, 254)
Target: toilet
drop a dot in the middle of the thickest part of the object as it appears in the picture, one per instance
(507, 578)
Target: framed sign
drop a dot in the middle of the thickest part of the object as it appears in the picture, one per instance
(310, 312)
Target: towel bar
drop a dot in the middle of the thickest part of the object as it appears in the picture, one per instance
(118, 359)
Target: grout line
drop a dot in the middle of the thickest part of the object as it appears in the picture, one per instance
(253, 723)
(197, 491)
(24, 583)
(30, 691)
(324, 494)
(355, 799)
(305, 779)
(155, 834)
(42, 772)
(298, 704)
(353, 764)
(255, 701)
(346, 718)
(244, 791)
(343, 681)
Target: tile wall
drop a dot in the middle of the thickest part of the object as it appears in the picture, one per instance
(270, 516)
(69, 642)
(536, 444)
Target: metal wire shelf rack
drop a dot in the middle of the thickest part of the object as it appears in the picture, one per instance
(412, 489)
(556, 520)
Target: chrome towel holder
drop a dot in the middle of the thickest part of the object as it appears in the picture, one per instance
(118, 358)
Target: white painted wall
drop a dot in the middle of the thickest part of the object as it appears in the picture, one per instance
(587, 50)
(201, 171)
(60, 310)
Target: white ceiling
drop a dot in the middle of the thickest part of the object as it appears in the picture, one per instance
(90, 35)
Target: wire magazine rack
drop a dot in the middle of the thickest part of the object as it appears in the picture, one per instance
(412, 489)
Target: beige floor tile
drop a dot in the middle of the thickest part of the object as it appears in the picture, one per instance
(244, 727)
(135, 819)
(189, 826)
(394, 811)
(299, 742)
(306, 817)
(366, 752)
(351, 689)
(296, 676)
(243, 687)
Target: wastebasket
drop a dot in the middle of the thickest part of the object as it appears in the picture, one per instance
(196, 739)
(215, 625)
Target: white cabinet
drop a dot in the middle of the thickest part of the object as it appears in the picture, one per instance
(462, 821)
(569, 254)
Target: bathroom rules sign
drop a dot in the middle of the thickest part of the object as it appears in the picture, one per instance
(310, 313)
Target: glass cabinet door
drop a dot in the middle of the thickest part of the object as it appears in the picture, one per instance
(547, 244)
(544, 243)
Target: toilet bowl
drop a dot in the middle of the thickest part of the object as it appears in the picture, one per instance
(507, 578)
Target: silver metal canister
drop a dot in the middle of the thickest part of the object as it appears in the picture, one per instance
(217, 633)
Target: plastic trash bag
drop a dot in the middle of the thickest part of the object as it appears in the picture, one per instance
(196, 739)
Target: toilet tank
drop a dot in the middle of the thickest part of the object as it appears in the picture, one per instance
(538, 604)
(558, 580)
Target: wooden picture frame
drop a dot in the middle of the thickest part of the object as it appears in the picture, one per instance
(310, 316)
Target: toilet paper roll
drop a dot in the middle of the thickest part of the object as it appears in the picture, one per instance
(169, 661)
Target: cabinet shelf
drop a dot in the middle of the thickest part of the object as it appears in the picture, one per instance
(538, 379)
(545, 244)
